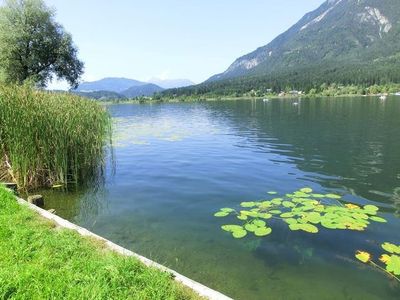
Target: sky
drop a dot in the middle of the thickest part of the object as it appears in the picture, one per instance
(169, 39)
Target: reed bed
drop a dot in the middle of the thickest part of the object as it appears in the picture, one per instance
(50, 138)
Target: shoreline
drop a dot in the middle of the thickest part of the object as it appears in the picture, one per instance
(101, 244)
(214, 99)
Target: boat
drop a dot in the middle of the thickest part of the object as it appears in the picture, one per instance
(397, 94)
(383, 97)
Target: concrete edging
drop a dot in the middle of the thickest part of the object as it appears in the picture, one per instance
(199, 288)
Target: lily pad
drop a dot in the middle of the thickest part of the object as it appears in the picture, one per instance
(378, 219)
(231, 228)
(393, 265)
(259, 223)
(288, 204)
(332, 196)
(287, 215)
(238, 234)
(291, 221)
(250, 227)
(228, 210)
(306, 190)
(363, 256)
(263, 231)
(264, 216)
(248, 204)
(277, 201)
(242, 217)
(221, 214)
(391, 248)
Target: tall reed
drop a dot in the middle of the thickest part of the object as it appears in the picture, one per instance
(48, 138)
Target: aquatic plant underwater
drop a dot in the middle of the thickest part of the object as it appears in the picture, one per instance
(304, 210)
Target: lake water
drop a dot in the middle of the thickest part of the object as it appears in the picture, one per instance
(176, 164)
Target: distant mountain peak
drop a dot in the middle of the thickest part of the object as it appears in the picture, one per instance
(337, 31)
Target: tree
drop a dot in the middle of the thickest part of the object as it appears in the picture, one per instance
(33, 46)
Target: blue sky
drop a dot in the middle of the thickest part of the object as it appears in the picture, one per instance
(191, 39)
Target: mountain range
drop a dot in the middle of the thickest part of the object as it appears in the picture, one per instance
(120, 88)
(342, 41)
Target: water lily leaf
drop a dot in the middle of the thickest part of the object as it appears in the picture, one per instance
(332, 196)
(238, 234)
(378, 219)
(314, 217)
(228, 210)
(393, 265)
(265, 204)
(248, 204)
(275, 212)
(231, 228)
(250, 227)
(318, 195)
(299, 200)
(306, 190)
(319, 208)
(351, 206)
(363, 256)
(392, 248)
(277, 201)
(309, 228)
(294, 226)
(221, 214)
(287, 215)
(264, 216)
(263, 231)
(384, 258)
(249, 213)
(372, 208)
(329, 224)
(259, 223)
(288, 204)
(301, 195)
(291, 221)
(242, 217)
(360, 216)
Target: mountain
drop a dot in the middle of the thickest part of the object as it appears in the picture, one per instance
(342, 41)
(171, 83)
(100, 95)
(112, 84)
(143, 90)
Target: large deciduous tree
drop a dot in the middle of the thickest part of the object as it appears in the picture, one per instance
(34, 47)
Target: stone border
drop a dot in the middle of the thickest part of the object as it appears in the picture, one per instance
(200, 289)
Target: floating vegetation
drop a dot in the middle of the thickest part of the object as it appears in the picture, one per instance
(390, 259)
(302, 210)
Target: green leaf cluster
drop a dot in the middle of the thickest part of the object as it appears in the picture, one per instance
(301, 210)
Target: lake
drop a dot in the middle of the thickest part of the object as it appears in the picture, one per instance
(177, 164)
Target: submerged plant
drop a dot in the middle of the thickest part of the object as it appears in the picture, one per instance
(302, 210)
(391, 259)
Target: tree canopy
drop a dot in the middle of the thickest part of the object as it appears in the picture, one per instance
(33, 46)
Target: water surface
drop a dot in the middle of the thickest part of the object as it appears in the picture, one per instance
(176, 164)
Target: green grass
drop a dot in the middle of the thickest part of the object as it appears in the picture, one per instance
(48, 138)
(40, 261)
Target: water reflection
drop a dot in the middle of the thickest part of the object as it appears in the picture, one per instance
(176, 164)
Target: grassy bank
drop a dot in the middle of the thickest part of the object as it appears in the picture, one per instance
(39, 261)
(48, 138)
